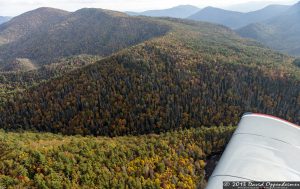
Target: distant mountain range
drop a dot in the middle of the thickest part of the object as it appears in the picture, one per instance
(232, 19)
(236, 20)
(276, 26)
(182, 11)
(4, 19)
(281, 33)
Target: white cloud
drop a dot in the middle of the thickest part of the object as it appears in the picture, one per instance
(15, 7)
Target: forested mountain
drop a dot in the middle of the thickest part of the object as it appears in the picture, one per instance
(235, 19)
(196, 74)
(280, 33)
(4, 19)
(43, 39)
(182, 11)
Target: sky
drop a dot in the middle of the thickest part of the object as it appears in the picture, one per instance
(16, 7)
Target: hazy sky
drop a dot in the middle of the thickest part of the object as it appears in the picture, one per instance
(15, 7)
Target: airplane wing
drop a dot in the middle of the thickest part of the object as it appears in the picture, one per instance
(263, 148)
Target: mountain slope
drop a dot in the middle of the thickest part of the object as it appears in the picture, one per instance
(182, 11)
(81, 32)
(4, 19)
(197, 74)
(234, 19)
(280, 33)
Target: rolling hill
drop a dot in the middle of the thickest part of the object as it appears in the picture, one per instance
(235, 19)
(197, 74)
(4, 19)
(280, 33)
(43, 39)
(182, 11)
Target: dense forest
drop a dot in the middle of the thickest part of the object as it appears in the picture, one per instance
(171, 160)
(198, 74)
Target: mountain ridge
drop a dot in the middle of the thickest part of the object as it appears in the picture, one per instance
(279, 33)
(234, 19)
